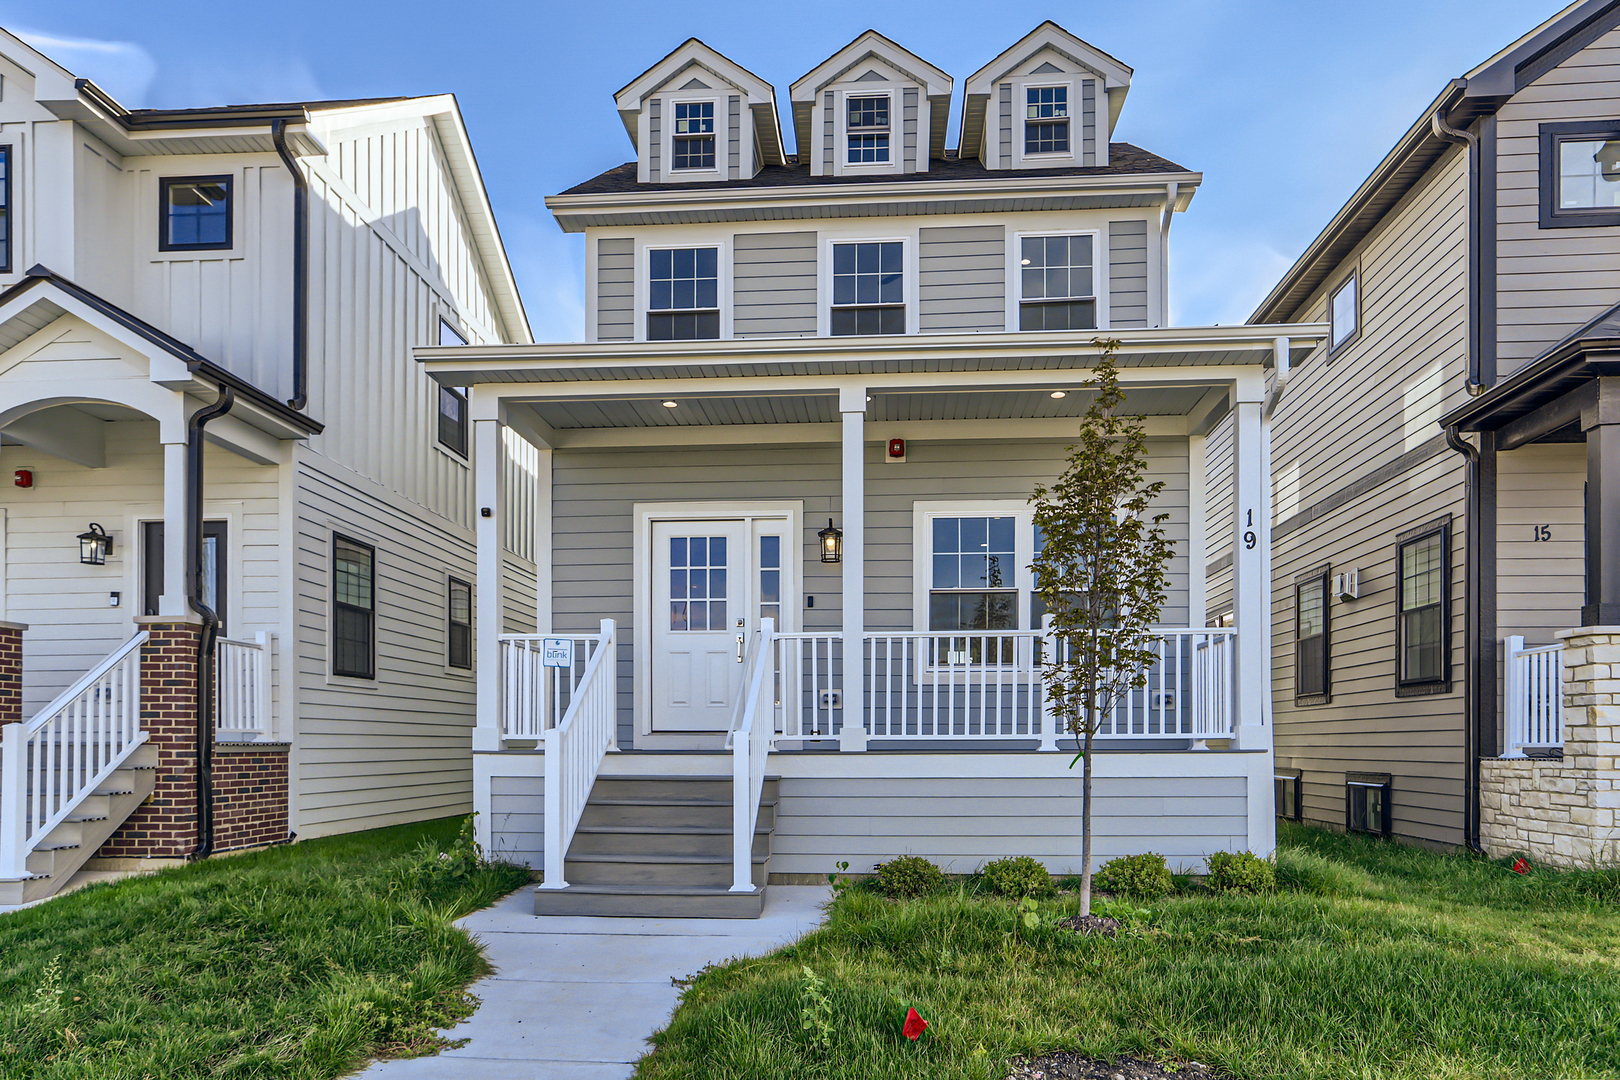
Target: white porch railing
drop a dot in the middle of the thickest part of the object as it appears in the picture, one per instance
(52, 762)
(242, 687)
(750, 741)
(534, 698)
(1533, 697)
(575, 748)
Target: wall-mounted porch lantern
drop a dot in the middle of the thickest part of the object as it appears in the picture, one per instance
(95, 546)
(832, 543)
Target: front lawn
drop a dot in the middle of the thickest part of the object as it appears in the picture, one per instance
(1381, 961)
(298, 961)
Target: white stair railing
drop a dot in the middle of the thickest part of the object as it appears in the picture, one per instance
(242, 687)
(1533, 697)
(750, 741)
(52, 762)
(534, 697)
(574, 750)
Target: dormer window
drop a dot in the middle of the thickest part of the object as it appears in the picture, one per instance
(694, 135)
(1046, 120)
(868, 130)
(683, 295)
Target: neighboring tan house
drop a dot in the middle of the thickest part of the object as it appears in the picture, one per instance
(1437, 574)
(784, 532)
(210, 421)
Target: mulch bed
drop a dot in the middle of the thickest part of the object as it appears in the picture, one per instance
(1068, 1066)
(1088, 925)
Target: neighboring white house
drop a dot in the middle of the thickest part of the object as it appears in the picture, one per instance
(284, 260)
(783, 523)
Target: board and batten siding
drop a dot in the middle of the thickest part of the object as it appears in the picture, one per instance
(615, 288)
(774, 285)
(1551, 281)
(1127, 274)
(962, 279)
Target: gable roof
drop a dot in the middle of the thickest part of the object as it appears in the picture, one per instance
(1480, 92)
(871, 45)
(1115, 73)
(632, 97)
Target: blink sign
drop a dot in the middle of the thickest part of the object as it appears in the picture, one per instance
(557, 652)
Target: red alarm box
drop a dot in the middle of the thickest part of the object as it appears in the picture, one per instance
(23, 478)
(897, 450)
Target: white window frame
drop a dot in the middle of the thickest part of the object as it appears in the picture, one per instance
(908, 263)
(1015, 274)
(922, 546)
(1335, 344)
(895, 93)
(1075, 84)
(643, 282)
(722, 135)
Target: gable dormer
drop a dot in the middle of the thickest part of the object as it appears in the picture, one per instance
(871, 108)
(697, 116)
(1051, 101)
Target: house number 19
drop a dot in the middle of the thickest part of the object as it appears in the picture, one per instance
(1249, 538)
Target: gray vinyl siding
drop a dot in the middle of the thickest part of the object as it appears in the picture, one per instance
(655, 140)
(1089, 121)
(1006, 127)
(909, 131)
(962, 279)
(829, 113)
(1127, 274)
(774, 285)
(1540, 584)
(517, 594)
(594, 492)
(517, 819)
(734, 139)
(961, 824)
(615, 289)
(1551, 281)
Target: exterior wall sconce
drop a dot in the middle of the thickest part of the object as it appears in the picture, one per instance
(95, 546)
(832, 543)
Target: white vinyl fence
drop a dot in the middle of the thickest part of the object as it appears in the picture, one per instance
(1533, 697)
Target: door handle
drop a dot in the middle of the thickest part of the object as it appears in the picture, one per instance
(739, 648)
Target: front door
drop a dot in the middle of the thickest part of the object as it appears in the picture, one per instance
(213, 559)
(700, 609)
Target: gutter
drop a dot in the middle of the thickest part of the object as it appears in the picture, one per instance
(210, 633)
(300, 398)
(1473, 704)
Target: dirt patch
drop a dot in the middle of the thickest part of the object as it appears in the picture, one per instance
(1068, 1066)
(1090, 925)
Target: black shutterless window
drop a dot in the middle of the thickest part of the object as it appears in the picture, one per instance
(1580, 174)
(460, 620)
(5, 209)
(1422, 639)
(1311, 637)
(194, 213)
(453, 420)
(354, 608)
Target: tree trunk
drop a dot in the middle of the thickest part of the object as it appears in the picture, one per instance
(1085, 804)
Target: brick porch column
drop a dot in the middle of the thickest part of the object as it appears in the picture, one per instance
(11, 671)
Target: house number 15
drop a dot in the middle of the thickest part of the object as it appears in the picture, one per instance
(1249, 538)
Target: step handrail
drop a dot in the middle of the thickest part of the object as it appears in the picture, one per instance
(70, 748)
(750, 741)
(574, 750)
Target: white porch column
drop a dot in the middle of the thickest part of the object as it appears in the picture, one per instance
(1197, 534)
(173, 600)
(1251, 586)
(487, 525)
(542, 543)
(852, 405)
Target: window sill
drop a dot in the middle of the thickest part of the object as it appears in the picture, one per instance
(353, 682)
(1434, 689)
(1596, 219)
(460, 459)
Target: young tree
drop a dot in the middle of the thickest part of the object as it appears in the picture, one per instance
(1100, 575)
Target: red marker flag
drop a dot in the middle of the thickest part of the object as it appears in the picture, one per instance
(915, 1025)
(1521, 867)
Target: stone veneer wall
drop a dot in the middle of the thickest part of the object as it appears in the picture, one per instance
(1563, 812)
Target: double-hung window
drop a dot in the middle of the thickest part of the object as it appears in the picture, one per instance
(868, 129)
(1344, 314)
(1058, 283)
(1311, 637)
(452, 402)
(694, 135)
(1422, 637)
(195, 213)
(354, 608)
(683, 294)
(459, 603)
(869, 295)
(1046, 120)
(973, 587)
(5, 209)
(1580, 174)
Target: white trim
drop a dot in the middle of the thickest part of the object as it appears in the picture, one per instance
(667, 172)
(1074, 82)
(642, 286)
(1015, 274)
(643, 515)
(909, 268)
(922, 547)
(894, 92)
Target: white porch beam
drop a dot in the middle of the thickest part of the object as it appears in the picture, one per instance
(1251, 589)
(66, 433)
(244, 440)
(487, 527)
(852, 407)
(833, 434)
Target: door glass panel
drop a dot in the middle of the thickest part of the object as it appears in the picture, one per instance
(697, 583)
(770, 579)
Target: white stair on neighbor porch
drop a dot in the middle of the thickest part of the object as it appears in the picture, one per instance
(71, 843)
(661, 847)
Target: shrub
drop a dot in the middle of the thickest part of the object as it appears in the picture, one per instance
(1241, 871)
(1017, 876)
(908, 876)
(1144, 876)
(1307, 872)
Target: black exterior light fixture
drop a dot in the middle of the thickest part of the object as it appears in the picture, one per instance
(832, 543)
(94, 546)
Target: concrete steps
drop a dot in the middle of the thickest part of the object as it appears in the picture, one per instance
(660, 847)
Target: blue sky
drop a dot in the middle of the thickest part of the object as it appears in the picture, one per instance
(1285, 107)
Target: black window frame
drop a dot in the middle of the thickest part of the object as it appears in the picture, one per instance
(1319, 576)
(458, 634)
(448, 327)
(453, 431)
(1350, 280)
(1358, 790)
(7, 218)
(1441, 683)
(167, 182)
(684, 323)
(369, 672)
(1288, 787)
(1551, 137)
(854, 315)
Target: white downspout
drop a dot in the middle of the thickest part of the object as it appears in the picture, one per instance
(1172, 193)
(1279, 384)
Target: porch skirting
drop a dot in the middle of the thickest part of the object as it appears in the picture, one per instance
(959, 810)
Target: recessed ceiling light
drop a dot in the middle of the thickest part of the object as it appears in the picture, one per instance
(669, 404)
(1060, 393)
(1026, 262)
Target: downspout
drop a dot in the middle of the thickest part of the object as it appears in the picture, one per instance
(1172, 192)
(300, 398)
(1279, 383)
(210, 618)
(1443, 130)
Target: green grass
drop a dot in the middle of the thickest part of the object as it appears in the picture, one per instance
(298, 961)
(1373, 961)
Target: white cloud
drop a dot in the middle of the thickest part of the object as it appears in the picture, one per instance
(550, 269)
(245, 80)
(122, 68)
(1215, 280)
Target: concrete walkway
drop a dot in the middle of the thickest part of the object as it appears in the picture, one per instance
(575, 998)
